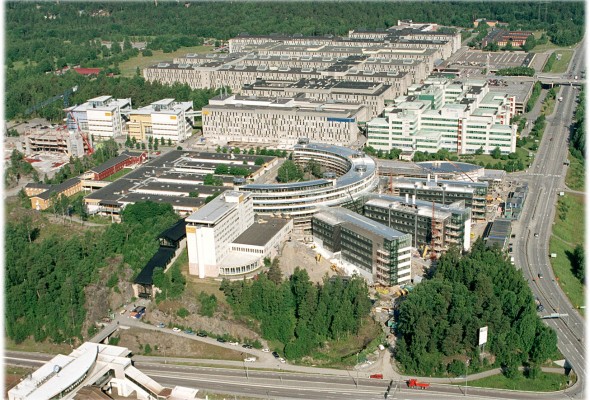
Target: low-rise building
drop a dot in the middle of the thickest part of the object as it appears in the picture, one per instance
(125, 159)
(502, 37)
(376, 252)
(94, 371)
(499, 234)
(281, 121)
(164, 119)
(43, 199)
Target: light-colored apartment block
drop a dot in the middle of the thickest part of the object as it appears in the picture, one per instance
(442, 114)
(281, 121)
(167, 119)
(100, 117)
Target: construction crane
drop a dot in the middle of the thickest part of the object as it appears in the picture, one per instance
(65, 95)
(82, 134)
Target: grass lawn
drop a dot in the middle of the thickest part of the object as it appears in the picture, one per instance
(343, 353)
(561, 65)
(548, 106)
(523, 154)
(575, 174)
(129, 67)
(566, 235)
(546, 382)
(118, 174)
(40, 347)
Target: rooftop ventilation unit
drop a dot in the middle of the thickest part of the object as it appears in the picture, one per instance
(191, 55)
(210, 56)
(406, 61)
(163, 65)
(392, 73)
(306, 69)
(284, 69)
(183, 65)
(240, 67)
(262, 68)
(306, 58)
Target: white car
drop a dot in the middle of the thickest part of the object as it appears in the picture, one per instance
(265, 350)
(233, 343)
(175, 329)
(281, 359)
(250, 359)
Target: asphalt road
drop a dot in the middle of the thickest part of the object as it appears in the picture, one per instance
(282, 385)
(546, 178)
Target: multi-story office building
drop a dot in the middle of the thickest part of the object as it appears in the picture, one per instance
(281, 121)
(349, 175)
(224, 239)
(167, 119)
(428, 223)
(378, 253)
(211, 229)
(442, 114)
(100, 117)
(444, 192)
(371, 94)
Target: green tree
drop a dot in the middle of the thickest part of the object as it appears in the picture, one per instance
(496, 153)
(274, 273)
(289, 172)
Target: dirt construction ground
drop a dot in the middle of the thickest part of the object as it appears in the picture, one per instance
(297, 254)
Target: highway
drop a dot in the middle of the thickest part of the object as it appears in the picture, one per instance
(283, 385)
(546, 178)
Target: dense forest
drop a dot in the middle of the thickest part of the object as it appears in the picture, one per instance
(46, 274)
(297, 313)
(46, 36)
(439, 321)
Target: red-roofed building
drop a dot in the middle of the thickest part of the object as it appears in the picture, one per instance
(87, 71)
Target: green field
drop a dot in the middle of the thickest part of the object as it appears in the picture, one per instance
(118, 174)
(565, 236)
(561, 65)
(546, 382)
(575, 174)
(129, 67)
(523, 154)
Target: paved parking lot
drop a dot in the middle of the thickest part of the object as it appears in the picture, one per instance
(497, 60)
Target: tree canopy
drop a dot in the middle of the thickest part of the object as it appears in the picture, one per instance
(298, 313)
(439, 321)
(45, 277)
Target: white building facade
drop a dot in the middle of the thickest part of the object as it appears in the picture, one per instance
(100, 117)
(211, 229)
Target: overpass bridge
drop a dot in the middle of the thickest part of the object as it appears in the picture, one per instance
(105, 333)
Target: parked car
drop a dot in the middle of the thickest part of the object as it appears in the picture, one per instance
(275, 354)
(247, 346)
(201, 334)
(233, 343)
(250, 359)
(540, 275)
(265, 350)
(161, 325)
(175, 329)
(536, 234)
(281, 359)
(221, 340)
(189, 332)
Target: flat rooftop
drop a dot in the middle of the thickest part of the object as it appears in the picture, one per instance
(217, 208)
(338, 215)
(263, 230)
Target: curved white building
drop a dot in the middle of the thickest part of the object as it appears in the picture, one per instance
(351, 175)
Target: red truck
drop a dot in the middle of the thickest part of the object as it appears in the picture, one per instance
(414, 384)
(376, 376)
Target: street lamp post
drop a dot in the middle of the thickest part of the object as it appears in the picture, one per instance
(357, 370)
(466, 372)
